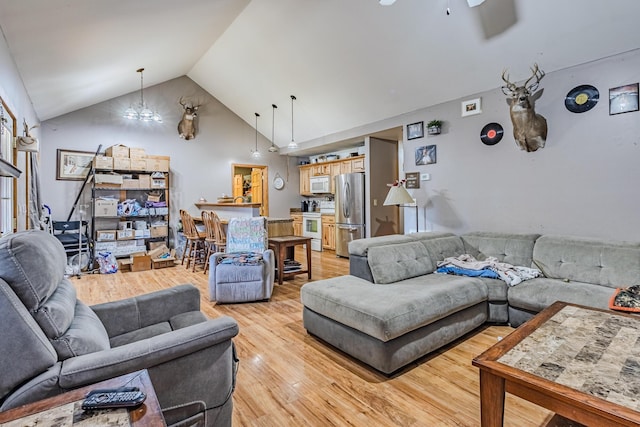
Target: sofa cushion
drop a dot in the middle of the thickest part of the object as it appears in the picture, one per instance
(85, 335)
(32, 262)
(56, 313)
(392, 263)
(514, 249)
(361, 247)
(408, 305)
(537, 294)
(601, 262)
(26, 350)
(443, 247)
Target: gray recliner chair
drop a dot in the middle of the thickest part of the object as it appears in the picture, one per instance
(51, 342)
(246, 271)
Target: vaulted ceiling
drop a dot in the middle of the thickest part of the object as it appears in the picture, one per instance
(350, 63)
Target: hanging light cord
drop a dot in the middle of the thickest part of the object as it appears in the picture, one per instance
(293, 98)
(257, 115)
(273, 123)
(140, 70)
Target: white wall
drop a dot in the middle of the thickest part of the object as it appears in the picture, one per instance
(200, 167)
(584, 182)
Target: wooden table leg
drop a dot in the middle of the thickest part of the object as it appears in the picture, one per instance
(281, 253)
(308, 245)
(491, 399)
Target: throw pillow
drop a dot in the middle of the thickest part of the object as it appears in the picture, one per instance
(626, 299)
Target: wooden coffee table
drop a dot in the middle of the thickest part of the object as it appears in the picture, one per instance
(64, 409)
(582, 363)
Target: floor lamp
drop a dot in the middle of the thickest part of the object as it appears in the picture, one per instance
(398, 195)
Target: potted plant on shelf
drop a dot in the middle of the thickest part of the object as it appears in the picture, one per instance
(434, 127)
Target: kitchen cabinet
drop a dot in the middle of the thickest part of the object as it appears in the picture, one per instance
(335, 170)
(130, 209)
(297, 224)
(305, 184)
(330, 168)
(357, 165)
(329, 232)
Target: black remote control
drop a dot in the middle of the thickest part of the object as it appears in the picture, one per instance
(113, 398)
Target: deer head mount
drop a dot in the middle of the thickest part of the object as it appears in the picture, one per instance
(187, 125)
(529, 128)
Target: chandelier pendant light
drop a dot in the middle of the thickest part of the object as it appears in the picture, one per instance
(141, 111)
(255, 153)
(293, 144)
(273, 148)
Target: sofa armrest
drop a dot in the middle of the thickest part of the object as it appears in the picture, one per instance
(119, 317)
(144, 354)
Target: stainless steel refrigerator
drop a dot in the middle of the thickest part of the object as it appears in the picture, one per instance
(350, 208)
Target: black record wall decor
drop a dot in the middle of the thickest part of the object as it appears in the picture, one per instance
(491, 134)
(581, 98)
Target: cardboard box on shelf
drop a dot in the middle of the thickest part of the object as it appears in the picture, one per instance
(105, 235)
(106, 207)
(130, 184)
(118, 150)
(127, 234)
(108, 178)
(137, 153)
(121, 163)
(103, 162)
(154, 196)
(144, 181)
(124, 225)
(157, 165)
(138, 164)
(158, 183)
(159, 230)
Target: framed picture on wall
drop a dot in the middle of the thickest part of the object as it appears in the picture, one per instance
(415, 130)
(471, 107)
(425, 155)
(623, 99)
(73, 165)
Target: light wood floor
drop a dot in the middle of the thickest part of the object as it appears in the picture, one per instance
(289, 378)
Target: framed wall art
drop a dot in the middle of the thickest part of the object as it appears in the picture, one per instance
(471, 107)
(623, 99)
(425, 155)
(415, 130)
(73, 165)
(412, 180)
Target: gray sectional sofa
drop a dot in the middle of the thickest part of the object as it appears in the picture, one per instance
(393, 309)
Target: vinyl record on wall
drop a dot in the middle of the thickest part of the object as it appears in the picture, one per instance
(581, 98)
(491, 134)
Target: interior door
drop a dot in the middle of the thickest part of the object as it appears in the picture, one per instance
(257, 196)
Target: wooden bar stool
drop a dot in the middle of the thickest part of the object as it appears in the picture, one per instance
(216, 239)
(194, 247)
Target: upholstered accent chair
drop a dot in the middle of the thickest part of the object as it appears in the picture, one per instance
(51, 342)
(246, 271)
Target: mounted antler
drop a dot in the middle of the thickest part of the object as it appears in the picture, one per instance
(187, 127)
(529, 128)
(538, 75)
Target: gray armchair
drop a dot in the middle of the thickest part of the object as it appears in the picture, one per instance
(246, 271)
(52, 342)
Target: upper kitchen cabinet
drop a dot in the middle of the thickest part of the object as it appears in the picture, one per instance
(329, 168)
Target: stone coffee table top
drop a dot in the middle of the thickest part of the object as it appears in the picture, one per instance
(594, 352)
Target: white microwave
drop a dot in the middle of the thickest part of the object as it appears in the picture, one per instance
(319, 184)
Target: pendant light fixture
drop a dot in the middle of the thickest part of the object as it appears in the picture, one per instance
(255, 153)
(293, 144)
(273, 148)
(141, 111)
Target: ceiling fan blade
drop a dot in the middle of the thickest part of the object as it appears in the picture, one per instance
(474, 3)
